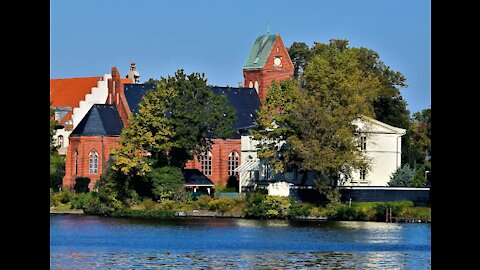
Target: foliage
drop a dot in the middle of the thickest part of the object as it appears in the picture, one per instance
(167, 183)
(300, 53)
(299, 209)
(81, 200)
(157, 213)
(232, 183)
(202, 202)
(221, 205)
(62, 197)
(402, 177)
(398, 208)
(175, 122)
(263, 206)
(57, 170)
(346, 212)
(81, 184)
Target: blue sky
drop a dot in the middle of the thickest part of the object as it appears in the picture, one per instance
(88, 37)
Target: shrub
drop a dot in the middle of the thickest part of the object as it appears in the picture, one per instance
(318, 212)
(80, 201)
(348, 213)
(398, 208)
(167, 183)
(402, 177)
(81, 184)
(264, 206)
(299, 209)
(202, 202)
(62, 197)
(148, 204)
(167, 205)
(221, 205)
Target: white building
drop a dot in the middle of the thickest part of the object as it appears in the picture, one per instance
(381, 143)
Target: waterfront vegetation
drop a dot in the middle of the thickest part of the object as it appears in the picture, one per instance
(255, 205)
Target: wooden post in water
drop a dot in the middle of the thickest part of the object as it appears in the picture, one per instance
(386, 215)
(391, 210)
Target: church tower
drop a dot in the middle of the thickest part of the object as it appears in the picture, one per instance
(267, 61)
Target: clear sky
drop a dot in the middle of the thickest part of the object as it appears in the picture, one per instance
(88, 37)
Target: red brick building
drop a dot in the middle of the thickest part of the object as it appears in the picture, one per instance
(92, 140)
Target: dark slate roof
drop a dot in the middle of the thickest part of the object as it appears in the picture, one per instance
(195, 177)
(260, 51)
(100, 120)
(134, 94)
(246, 103)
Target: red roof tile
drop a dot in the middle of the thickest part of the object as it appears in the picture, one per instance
(126, 80)
(70, 91)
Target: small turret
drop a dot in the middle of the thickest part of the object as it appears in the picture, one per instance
(133, 73)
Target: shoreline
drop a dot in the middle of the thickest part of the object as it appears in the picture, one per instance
(210, 214)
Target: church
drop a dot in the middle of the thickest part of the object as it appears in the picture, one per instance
(92, 112)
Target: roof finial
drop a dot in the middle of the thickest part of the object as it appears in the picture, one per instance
(268, 27)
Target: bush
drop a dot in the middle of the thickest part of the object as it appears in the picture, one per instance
(81, 184)
(264, 206)
(299, 209)
(221, 205)
(80, 201)
(62, 197)
(202, 202)
(402, 177)
(167, 183)
(349, 213)
(398, 208)
(149, 204)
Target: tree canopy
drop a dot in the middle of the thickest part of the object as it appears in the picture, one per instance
(176, 121)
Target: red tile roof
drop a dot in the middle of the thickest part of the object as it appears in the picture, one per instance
(70, 91)
(126, 80)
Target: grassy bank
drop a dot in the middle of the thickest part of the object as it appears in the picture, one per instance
(254, 206)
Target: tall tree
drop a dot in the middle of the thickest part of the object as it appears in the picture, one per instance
(300, 54)
(175, 122)
(318, 122)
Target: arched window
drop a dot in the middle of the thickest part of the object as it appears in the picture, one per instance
(76, 162)
(93, 162)
(206, 161)
(232, 163)
(60, 141)
(250, 85)
(256, 86)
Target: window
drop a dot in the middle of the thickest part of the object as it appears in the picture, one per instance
(250, 85)
(76, 162)
(233, 163)
(60, 141)
(206, 161)
(363, 143)
(93, 162)
(256, 86)
(362, 174)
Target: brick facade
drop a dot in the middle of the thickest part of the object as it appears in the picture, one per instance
(116, 95)
(84, 145)
(269, 72)
(221, 149)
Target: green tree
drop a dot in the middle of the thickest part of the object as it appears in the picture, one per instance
(318, 123)
(167, 183)
(300, 53)
(402, 177)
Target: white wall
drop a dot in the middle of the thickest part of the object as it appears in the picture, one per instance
(98, 95)
(383, 149)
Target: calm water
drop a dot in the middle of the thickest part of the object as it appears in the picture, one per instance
(86, 242)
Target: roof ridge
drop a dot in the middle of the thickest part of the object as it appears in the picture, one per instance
(90, 77)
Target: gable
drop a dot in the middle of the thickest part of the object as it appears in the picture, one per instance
(279, 51)
(370, 125)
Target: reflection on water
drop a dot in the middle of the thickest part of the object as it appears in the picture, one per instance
(112, 243)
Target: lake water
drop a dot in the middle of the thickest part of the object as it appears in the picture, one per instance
(88, 242)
